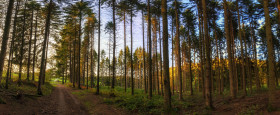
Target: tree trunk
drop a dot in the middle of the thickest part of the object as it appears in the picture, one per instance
(144, 60)
(124, 28)
(167, 93)
(178, 54)
(229, 51)
(6, 34)
(271, 54)
(22, 44)
(150, 52)
(35, 47)
(208, 91)
(98, 59)
(29, 48)
(11, 48)
(242, 55)
(131, 59)
(47, 27)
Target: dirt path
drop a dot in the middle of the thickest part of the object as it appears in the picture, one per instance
(67, 103)
(59, 102)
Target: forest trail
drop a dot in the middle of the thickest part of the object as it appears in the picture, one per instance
(61, 101)
(67, 102)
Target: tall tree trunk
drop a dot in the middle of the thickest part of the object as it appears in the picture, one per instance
(98, 59)
(178, 54)
(160, 52)
(6, 34)
(22, 44)
(242, 55)
(144, 60)
(11, 48)
(150, 52)
(131, 59)
(167, 93)
(35, 47)
(271, 53)
(218, 60)
(91, 59)
(229, 51)
(208, 91)
(201, 50)
(190, 65)
(47, 27)
(29, 48)
(124, 28)
(172, 54)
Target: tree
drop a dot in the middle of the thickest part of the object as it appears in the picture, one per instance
(150, 52)
(123, 7)
(6, 35)
(229, 51)
(242, 55)
(178, 52)
(167, 92)
(47, 27)
(208, 92)
(32, 6)
(98, 58)
(11, 47)
(271, 53)
(22, 44)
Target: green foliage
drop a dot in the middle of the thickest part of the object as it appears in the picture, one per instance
(250, 110)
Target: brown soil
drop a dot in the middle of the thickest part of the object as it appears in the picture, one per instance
(60, 102)
(257, 104)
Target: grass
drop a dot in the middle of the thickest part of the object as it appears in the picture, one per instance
(139, 102)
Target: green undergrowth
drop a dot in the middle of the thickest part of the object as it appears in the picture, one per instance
(137, 103)
(29, 88)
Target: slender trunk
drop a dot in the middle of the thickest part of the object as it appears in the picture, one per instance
(167, 93)
(208, 91)
(35, 48)
(11, 48)
(47, 27)
(160, 52)
(218, 60)
(172, 54)
(178, 54)
(144, 60)
(98, 59)
(150, 52)
(91, 59)
(6, 34)
(114, 47)
(242, 55)
(132, 80)
(190, 65)
(124, 23)
(29, 48)
(271, 54)
(231, 77)
(22, 44)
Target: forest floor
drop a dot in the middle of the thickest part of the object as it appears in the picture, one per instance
(23, 102)
(64, 100)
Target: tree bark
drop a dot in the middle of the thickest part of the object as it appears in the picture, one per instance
(29, 48)
(47, 27)
(208, 91)
(6, 34)
(178, 54)
(167, 93)
(229, 51)
(271, 54)
(150, 52)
